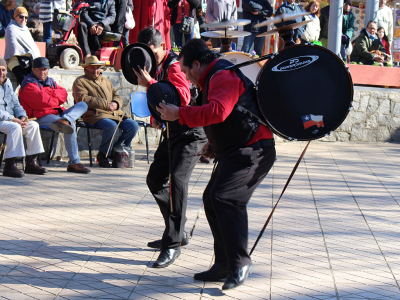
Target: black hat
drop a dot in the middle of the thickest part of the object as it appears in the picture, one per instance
(134, 55)
(349, 2)
(157, 92)
(41, 62)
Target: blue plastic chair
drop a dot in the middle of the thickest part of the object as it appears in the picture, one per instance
(140, 109)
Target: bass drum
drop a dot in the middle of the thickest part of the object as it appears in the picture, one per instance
(250, 71)
(304, 92)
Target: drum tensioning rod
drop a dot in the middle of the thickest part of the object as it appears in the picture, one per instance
(246, 63)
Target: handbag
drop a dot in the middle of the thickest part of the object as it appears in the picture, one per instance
(187, 23)
(130, 21)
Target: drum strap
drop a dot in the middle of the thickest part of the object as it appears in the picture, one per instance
(284, 189)
(249, 113)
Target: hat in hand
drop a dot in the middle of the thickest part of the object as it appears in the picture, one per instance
(157, 92)
(92, 61)
(135, 55)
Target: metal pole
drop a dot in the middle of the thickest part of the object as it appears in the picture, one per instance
(335, 26)
(371, 9)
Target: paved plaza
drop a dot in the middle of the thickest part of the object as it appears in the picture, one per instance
(334, 235)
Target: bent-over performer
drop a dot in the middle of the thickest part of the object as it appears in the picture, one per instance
(185, 143)
(243, 148)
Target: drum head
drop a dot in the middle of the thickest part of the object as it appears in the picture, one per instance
(250, 71)
(304, 92)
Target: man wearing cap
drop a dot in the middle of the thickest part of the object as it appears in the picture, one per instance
(162, 72)
(14, 123)
(94, 24)
(42, 98)
(243, 148)
(104, 107)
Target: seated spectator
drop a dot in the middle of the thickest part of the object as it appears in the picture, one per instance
(94, 24)
(21, 49)
(291, 7)
(313, 29)
(41, 98)
(104, 107)
(14, 123)
(365, 43)
(384, 39)
(189, 10)
(34, 24)
(7, 8)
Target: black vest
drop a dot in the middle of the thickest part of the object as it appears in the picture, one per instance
(238, 129)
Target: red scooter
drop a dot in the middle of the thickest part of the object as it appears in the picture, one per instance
(70, 56)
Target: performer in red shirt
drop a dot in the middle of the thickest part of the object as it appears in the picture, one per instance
(185, 143)
(243, 148)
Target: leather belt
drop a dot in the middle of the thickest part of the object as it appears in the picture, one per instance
(263, 143)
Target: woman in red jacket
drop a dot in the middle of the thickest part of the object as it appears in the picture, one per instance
(384, 39)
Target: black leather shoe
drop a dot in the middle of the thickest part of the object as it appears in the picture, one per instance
(216, 273)
(32, 167)
(10, 169)
(166, 257)
(103, 160)
(158, 243)
(238, 277)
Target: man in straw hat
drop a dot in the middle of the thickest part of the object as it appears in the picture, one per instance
(243, 147)
(14, 123)
(104, 107)
(41, 98)
(163, 76)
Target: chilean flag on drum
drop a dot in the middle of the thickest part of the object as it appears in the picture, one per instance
(311, 120)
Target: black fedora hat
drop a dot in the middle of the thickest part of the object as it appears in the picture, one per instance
(157, 92)
(134, 55)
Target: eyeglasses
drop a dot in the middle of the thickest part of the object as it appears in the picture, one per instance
(23, 17)
(372, 28)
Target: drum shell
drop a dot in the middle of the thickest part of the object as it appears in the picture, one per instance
(300, 82)
(250, 71)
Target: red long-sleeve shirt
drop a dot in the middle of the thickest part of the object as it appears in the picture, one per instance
(223, 93)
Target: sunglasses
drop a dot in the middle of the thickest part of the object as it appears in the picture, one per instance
(23, 17)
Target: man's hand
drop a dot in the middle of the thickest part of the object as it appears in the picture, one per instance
(255, 13)
(112, 106)
(99, 29)
(23, 124)
(93, 29)
(168, 112)
(206, 151)
(144, 77)
(23, 119)
(157, 125)
(378, 58)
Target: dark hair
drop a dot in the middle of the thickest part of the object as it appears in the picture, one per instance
(370, 23)
(150, 36)
(196, 49)
(308, 7)
(385, 37)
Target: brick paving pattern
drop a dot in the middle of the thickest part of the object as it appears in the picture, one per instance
(334, 235)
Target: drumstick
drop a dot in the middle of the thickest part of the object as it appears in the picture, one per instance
(120, 120)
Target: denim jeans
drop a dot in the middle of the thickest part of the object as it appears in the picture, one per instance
(258, 43)
(178, 35)
(71, 114)
(47, 32)
(129, 129)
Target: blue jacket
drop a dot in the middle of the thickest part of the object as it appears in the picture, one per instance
(264, 10)
(11, 109)
(285, 8)
(5, 18)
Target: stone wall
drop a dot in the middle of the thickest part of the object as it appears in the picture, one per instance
(375, 116)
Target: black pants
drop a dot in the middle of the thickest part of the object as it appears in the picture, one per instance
(226, 196)
(87, 41)
(185, 145)
(21, 73)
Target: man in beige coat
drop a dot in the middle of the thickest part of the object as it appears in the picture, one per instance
(104, 107)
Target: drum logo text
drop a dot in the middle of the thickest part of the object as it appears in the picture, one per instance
(295, 63)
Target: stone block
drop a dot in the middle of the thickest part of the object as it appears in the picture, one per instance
(384, 106)
(67, 81)
(342, 136)
(328, 138)
(394, 96)
(356, 96)
(356, 132)
(357, 117)
(346, 125)
(371, 122)
(369, 135)
(363, 103)
(394, 123)
(355, 105)
(57, 79)
(115, 80)
(383, 134)
(396, 109)
(373, 105)
(383, 119)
